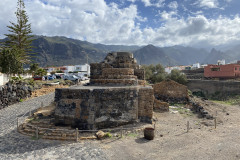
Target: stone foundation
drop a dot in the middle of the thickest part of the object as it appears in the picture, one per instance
(102, 107)
(160, 106)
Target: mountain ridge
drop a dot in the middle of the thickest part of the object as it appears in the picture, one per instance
(59, 51)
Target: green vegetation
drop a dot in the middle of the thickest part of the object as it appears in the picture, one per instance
(132, 135)
(156, 73)
(41, 72)
(231, 100)
(33, 68)
(108, 135)
(16, 50)
(182, 110)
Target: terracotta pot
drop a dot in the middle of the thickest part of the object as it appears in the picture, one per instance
(149, 133)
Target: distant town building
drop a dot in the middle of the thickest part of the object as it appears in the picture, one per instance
(169, 69)
(80, 69)
(196, 65)
(85, 69)
(69, 69)
(222, 71)
(221, 62)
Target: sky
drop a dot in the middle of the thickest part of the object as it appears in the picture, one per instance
(132, 22)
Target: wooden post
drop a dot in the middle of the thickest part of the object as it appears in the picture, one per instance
(121, 131)
(17, 124)
(30, 112)
(41, 104)
(215, 122)
(216, 113)
(76, 134)
(187, 126)
(36, 132)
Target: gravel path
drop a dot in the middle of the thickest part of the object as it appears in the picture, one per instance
(16, 146)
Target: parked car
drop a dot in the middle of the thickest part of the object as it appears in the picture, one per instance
(37, 78)
(83, 78)
(58, 77)
(72, 78)
(51, 77)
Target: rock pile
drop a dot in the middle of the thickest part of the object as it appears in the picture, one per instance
(171, 92)
(13, 93)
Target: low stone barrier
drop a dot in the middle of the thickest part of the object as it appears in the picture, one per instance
(13, 93)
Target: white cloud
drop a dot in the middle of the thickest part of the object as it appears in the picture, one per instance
(98, 22)
(132, 1)
(156, 3)
(173, 5)
(208, 3)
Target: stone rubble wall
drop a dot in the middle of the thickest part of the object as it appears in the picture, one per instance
(171, 91)
(160, 106)
(110, 82)
(121, 66)
(145, 104)
(103, 108)
(140, 73)
(117, 71)
(13, 93)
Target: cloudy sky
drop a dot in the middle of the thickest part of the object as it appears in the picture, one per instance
(132, 22)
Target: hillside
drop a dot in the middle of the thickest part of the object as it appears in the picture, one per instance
(57, 51)
(153, 55)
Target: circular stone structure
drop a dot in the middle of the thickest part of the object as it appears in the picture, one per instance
(116, 95)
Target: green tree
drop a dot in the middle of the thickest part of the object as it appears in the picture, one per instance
(19, 37)
(154, 74)
(33, 68)
(9, 63)
(41, 72)
(177, 76)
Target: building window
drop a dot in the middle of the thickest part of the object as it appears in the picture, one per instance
(215, 69)
(235, 68)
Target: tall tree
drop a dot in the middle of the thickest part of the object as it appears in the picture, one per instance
(8, 61)
(19, 37)
(33, 68)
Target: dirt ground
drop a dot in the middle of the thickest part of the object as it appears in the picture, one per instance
(172, 141)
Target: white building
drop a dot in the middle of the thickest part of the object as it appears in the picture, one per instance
(169, 69)
(221, 62)
(196, 65)
(84, 69)
(69, 69)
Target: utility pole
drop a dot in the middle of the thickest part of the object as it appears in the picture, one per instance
(87, 63)
(87, 57)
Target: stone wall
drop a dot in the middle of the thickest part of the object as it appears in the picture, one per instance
(140, 73)
(118, 68)
(160, 106)
(13, 93)
(214, 87)
(170, 91)
(104, 107)
(145, 104)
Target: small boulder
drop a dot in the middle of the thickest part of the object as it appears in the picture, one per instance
(100, 134)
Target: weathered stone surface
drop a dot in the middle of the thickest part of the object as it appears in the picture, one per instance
(160, 106)
(118, 68)
(103, 107)
(170, 91)
(13, 93)
(120, 99)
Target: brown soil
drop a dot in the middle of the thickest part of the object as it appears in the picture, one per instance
(46, 89)
(172, 141)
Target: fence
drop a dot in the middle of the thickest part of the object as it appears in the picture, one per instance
(75, 133)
